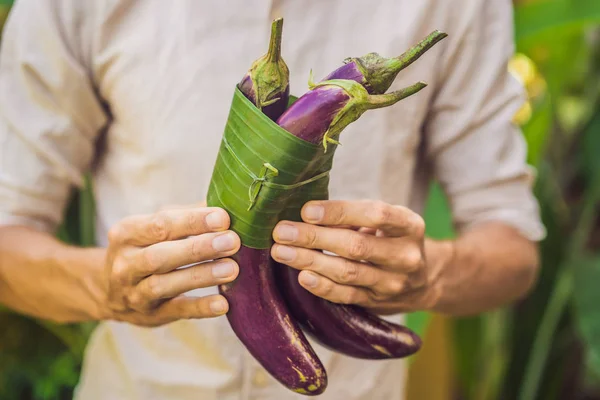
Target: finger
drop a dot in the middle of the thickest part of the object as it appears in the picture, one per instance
(340, 270)
(163, 286)
(334, 292)
(143, 230)
(352, 228)
(368, 231)
(393, 220)
(384, 251)
(187, 307)
(166, 256)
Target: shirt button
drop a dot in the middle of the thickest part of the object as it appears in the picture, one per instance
(260, 379)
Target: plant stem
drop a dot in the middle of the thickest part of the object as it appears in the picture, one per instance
(274, 52)
(560, 296)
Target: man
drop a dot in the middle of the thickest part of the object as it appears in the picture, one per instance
(137, 92)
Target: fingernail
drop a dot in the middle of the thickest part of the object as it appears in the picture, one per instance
(214, 220)
(223, 270)
(287, 233)
(218, 306)
(308, 280)
(285, 253)
(314, 213)
(224, 242)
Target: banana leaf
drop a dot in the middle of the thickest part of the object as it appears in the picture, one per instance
(264, 174)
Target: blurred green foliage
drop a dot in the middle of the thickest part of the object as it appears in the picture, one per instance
(545, 347)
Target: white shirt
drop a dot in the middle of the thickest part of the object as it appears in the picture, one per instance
(138, 92)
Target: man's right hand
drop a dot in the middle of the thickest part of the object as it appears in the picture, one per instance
(144, 283)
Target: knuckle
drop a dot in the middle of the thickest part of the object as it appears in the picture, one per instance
(418, 225)
(154, 286)
(152, 260)
(393, 287)
(312, 238)
(159, 226)
(197, 275)
(198, 247)
(338, 214)
(306, 259)
(326, 289)
(358, 247)
(200, 309)
(136, 300)
(349, 297)
(348, 272)
(413, 259)
(120, 272)
(377, 296)
(381, 213)
(116, 234)
(193, 221)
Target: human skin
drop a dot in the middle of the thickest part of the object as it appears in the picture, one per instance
(384, 262)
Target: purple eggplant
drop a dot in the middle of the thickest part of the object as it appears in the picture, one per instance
(348, 329)
(328, 107)
(266, 84)
(320, 116)
(257, 313)
(260, 318)
(377, 73)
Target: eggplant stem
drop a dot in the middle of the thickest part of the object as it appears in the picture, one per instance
(274, 52)
(414, 53)
(388, 99)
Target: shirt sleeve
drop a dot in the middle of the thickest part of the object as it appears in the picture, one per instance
(477, 154)
(50, 115)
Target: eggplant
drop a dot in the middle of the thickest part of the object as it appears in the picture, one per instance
(266, 84)
(347, 329)
(320, 115)
(261, 320)
(377, 73)
(329, 106)
(257, 312)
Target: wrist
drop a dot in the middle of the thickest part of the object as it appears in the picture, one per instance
(86, 267)
(440, 256)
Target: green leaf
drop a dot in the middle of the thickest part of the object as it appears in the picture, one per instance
(590, 148)
(87, 214)
(438, 222)
(418, 322)
(587, 312)
(437, 214)
(262, 173)
(538, 17)
(467, 335)
(536, 131)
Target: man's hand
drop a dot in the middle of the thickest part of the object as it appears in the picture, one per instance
(145, 285)
(380, 262)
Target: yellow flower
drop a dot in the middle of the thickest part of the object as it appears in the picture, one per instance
(522, 116)
(523, 69)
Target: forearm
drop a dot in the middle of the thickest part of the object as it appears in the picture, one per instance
(43, 277)
(482, 269)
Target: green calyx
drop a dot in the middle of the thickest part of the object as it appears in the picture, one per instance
(270, 73)
(380, 72)
(360, 101)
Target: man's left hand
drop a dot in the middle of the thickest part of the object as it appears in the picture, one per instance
(379, 260)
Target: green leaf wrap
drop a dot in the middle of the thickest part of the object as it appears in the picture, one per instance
(255, 196)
